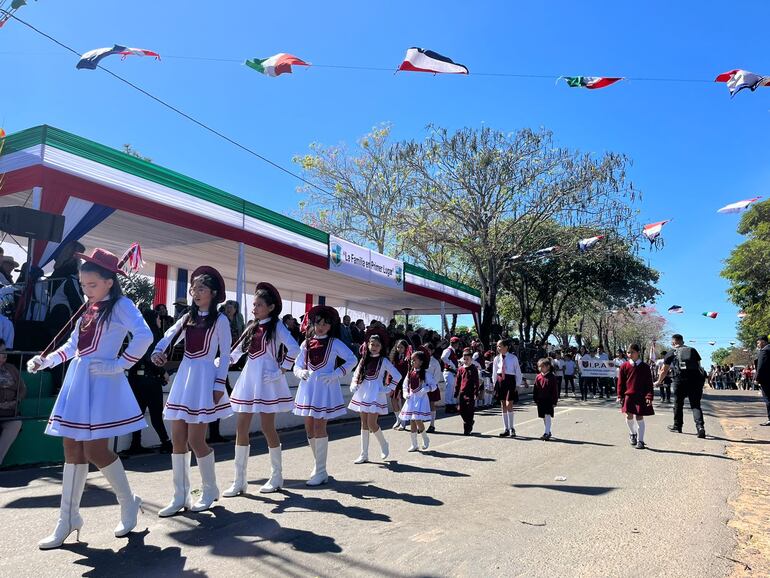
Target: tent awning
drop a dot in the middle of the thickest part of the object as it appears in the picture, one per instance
(182, 222)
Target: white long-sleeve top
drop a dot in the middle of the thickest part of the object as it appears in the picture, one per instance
(376, 372)
(422, 387)
(325, 363)
(103, 341)
(434, 368)
(257, 346)
(446, 357)
(511, 366)
(202, 344)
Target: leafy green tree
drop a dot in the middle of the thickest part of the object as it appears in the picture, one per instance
(748, 271)
(140, 289)
(486, 194)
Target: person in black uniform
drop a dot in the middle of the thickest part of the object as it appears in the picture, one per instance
(763, 372)
(147, 381)
(683, 363)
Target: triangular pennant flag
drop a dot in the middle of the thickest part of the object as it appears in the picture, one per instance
(590, 82)
(275, 65)
(711, 314)
(422, 60)
(738, 207)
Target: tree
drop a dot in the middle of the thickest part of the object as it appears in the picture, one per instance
(734, 355)
(749, 275)
(567, 283)
(357, 197)
(140, 289)
(490, 193)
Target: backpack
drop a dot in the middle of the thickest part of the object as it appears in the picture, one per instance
(687, 369)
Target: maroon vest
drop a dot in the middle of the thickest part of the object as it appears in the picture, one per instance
(90, 330)
(197, 338)
(318, 352)
(258, 345)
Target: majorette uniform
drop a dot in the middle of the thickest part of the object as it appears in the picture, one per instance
(507, 375)
(416, 404)
(191, 398)
(94, 406)
(262, 387)
(449, 359)
(370, 396)
(315, 397)
(434, 368)
(96, 400)
(198, 376)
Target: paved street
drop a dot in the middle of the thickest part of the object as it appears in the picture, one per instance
(478, 506)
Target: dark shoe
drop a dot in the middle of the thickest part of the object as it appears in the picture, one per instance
(674, 429)
(466, 433)
(505, 434)
(513, 433)
(165, 447)
(549, 436)
(702, 433)
(640, 446)
(544, 437)
(632, 439)
(431, 429)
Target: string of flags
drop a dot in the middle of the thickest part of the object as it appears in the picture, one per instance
(710, 314)
(91, 59)
(10, 10)
(738, 79)
(738, 207)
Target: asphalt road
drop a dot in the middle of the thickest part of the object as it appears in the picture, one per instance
(469, 506)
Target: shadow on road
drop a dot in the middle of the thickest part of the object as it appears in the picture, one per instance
(397, 467)
(696, 454)
(437, 454)
(131, 559)
(292, 501)
(582, 490)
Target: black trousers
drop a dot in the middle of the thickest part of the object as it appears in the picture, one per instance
(569, 380)
(149, 395)
(694, 394)
(467, 405)
(665, 392)
(766, 394)
(584, 383)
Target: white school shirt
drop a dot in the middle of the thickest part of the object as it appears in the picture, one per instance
(511, 366)
(558, 367)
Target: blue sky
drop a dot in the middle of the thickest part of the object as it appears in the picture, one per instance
(694, 149)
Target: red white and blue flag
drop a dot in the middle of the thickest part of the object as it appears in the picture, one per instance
(738, 79)
(652, 231)
(738, 206)
(91, 59)
(422, 60)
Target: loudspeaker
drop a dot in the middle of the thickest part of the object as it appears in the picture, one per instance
(31, 223)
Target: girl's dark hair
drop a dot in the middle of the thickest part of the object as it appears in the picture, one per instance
(423, 363)
(394, 350)
(335, 326)
(361, 370)
(211, 318)
(270, 326)
(416, 341)
(635, 347)
(115, 291)
(507, 343)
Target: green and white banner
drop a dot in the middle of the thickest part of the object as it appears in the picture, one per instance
(364, 264)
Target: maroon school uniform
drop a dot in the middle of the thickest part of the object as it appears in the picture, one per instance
(466, 390)
(402, 364)
(635, 388)
(545, 394)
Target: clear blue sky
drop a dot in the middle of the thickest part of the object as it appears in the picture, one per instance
(694, 149)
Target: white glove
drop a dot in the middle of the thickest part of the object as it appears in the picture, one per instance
(105, 367)
(353, 388)
(37, 363)
(302, 374)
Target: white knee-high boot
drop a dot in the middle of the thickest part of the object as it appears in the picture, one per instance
(275, 482)
(241, 465)
(73, 483)
(414, 447)
(425, 440)
(364, 457)
(311, 442)
(384, 446)
(180, 467)
(321, 450)
(210, 491)
(130, 503)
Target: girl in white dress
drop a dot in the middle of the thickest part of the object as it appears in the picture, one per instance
(370, 394)
(197, 396)
(96, 402)
(262, 388)
(416, 404)
(319, 396)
